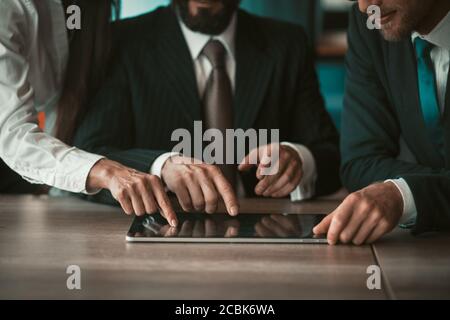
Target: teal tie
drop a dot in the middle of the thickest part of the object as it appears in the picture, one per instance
(428, 93)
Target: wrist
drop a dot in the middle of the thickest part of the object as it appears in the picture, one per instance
(166, 166)
(397, 196)
(100, 175)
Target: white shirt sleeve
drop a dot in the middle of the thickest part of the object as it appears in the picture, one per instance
(36, 156)
(307, 187)
(409, 215)
(157, 165)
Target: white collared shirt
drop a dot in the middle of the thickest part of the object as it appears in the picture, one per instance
(440, 55)
(33, 56)
(203, 68)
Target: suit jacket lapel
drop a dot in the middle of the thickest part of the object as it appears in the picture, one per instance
(402, 68)
(176, 62)
(253, 72)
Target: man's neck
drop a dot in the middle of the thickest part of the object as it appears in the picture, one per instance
(439, 10)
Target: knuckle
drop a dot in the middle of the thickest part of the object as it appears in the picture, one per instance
(377, 215)
(152, 209)
(214, 170)
(345, 237)
(153, 179)
(384, 223)
(338, 221)
(187, 174)
(212, 200)
(354, 197)
(133, 185)
(122, 193)
(199, 205)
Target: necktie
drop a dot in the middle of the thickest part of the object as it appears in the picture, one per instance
(218, 101)
(428, 93)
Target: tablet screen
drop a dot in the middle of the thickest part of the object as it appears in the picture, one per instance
(202, 227)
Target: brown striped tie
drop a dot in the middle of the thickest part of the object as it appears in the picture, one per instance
(218, 101)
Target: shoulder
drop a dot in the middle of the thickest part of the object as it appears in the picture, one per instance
(284, 42)
(273, 30)
(145, 24)
(359, 34)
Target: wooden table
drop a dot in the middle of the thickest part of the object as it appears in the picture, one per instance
(415, 267)
(41, 237)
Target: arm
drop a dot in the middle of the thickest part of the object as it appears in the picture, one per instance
(369, 147)
(432, 200)
(108, 128)
(311, 125)
(308, 154)
(370, 131)
(36, 156)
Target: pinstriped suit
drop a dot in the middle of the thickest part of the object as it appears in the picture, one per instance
(152, 91)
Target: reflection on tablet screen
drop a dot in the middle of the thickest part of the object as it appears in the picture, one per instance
(202, 225)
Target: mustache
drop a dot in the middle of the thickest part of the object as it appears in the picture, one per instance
(384, 10)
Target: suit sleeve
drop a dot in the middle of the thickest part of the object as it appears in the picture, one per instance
(311, 125)
(108, 127)
(431, 196)
(371, 134)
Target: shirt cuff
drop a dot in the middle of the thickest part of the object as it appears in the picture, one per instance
(409, 215)
(158, 164)
(307, 187)
(76, 176)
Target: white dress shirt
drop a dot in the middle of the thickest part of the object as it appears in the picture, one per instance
(440, 55)
(33, 56)
(203, 68)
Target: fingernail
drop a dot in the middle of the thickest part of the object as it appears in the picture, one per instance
(174, 223)
(234, 211)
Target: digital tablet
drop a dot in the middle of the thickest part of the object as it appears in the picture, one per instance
(245, 228)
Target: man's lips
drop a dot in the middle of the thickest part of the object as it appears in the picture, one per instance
(387, 17)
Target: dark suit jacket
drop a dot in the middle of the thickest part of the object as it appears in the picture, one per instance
(381, 105)
(152, 91)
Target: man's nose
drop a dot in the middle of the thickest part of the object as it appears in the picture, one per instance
(364, 4)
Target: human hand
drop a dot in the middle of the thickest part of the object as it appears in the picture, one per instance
(364, 216)
(285, 174)
(198, 186)
(138, 193)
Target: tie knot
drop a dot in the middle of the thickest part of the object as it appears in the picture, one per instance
(215, 52)
(423, 47)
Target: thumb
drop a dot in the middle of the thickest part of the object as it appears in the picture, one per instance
(249, 161)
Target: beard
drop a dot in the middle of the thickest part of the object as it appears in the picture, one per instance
(410, 19)
(205, 21)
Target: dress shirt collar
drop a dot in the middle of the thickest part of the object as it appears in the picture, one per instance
(196, 41)
(439, 36)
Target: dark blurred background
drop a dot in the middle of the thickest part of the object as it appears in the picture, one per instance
(324, 20)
